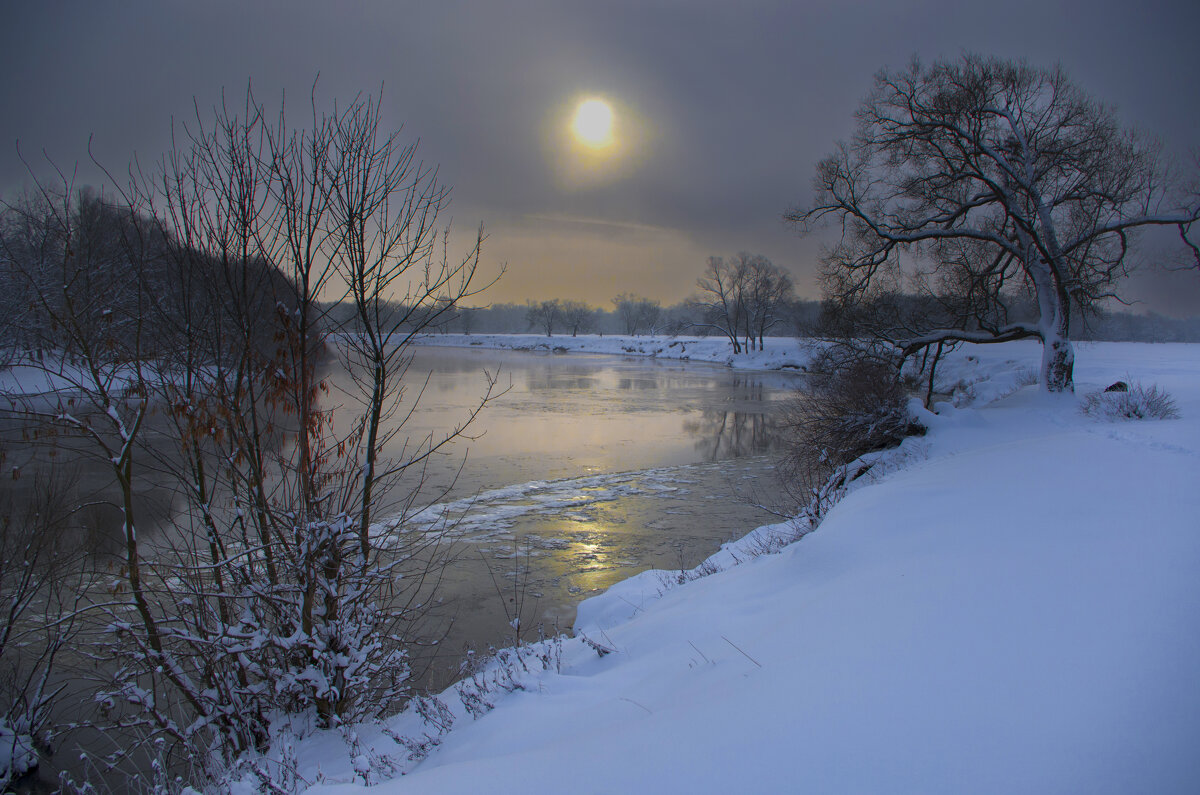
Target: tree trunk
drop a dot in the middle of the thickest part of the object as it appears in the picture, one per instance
(1054, 308)
(1058, 366)
(1058, 355)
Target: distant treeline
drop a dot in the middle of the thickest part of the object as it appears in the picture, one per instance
(90, 251)
(678, 319)
(81, 272)
(801, 318)
(1130, 327)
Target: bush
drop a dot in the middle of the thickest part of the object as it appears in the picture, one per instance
(1134, 402)
(854, 408)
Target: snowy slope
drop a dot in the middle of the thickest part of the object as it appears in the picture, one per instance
(1015, 610)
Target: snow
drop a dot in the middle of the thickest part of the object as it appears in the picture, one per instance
(781, 352)
(17, 753)
(1011, 606)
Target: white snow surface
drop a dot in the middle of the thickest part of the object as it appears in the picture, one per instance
(781, 352)
(17, 753)
(1012, 605)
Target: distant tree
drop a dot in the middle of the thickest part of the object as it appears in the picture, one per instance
(446, 315)
(803, 317)
(467, 316)
(637, 314)
(577, 316)
(767, 288)
(743, 298)
(679, 319)
(720, 304)
(544, 315)
(992, 180)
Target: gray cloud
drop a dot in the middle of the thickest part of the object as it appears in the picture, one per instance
(739, 100)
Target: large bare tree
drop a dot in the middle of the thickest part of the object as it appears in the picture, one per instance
(984, 180)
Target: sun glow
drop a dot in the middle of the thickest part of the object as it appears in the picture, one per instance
(592, 124)
(594, 139)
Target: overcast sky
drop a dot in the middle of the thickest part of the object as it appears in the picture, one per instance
(723, 108)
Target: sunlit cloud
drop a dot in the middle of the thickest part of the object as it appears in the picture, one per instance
(627, 226)
(592, 259)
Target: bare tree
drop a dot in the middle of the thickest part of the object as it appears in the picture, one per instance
(767, 289)
(637, 314)
(990, 178)
(578, 317)
(743, 298)
(467, 318)
(720, 304)
(545, 315)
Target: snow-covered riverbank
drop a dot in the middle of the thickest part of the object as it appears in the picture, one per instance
(1010, 606)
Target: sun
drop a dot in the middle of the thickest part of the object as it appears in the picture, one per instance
(592, 124)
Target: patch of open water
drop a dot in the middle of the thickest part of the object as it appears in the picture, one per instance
(587, 470)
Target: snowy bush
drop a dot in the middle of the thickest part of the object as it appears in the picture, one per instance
(43, 573)
(1134, 402)
(856, 408)
(17, 754)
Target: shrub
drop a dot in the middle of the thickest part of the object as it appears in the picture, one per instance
(856, 407)
(1135, 402)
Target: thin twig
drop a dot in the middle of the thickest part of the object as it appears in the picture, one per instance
(739, 648)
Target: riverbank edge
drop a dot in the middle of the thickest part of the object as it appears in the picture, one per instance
(780, 353)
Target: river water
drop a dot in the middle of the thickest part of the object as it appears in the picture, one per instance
(587, 469)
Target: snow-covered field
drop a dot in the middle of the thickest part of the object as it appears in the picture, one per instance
(1010, 605)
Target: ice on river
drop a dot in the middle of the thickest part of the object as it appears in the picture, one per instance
(497, 511)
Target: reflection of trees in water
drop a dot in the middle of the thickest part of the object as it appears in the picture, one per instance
(33, 454)
(722, 434)
(543, 380)
(748, 387)
(729, 433)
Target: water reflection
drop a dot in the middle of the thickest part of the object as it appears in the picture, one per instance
(639, 383)
(543, 381)
(34, 454)
(564, 416)
(576, 537)
(733, 434)
(589, 469)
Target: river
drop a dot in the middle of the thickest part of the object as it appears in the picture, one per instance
(587, 469)
(584, 470)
